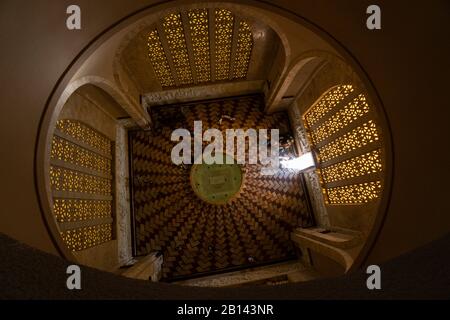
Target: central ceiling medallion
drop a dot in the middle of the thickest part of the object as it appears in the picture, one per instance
(217, 183)
(200, 46)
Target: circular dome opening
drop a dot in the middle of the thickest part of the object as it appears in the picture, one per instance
(218, 182)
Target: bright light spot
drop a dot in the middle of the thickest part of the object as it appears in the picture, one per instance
(301, 163)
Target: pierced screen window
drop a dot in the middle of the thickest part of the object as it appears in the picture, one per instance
(81, 183)
(344, 134)
(200, 46)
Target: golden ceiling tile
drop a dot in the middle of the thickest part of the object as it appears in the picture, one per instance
(327, 103)
(159, 60)
(174, 31)
(224, 23)
(355, 193)
(243, 51)
(199, 30)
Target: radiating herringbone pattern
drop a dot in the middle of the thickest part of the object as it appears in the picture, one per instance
(197, 237)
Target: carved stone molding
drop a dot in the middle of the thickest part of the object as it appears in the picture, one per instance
(202, 92)
(122, 193)
(311, 177)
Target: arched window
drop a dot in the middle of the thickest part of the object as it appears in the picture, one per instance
(200, 46)
(346, 139)
(81, 183)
